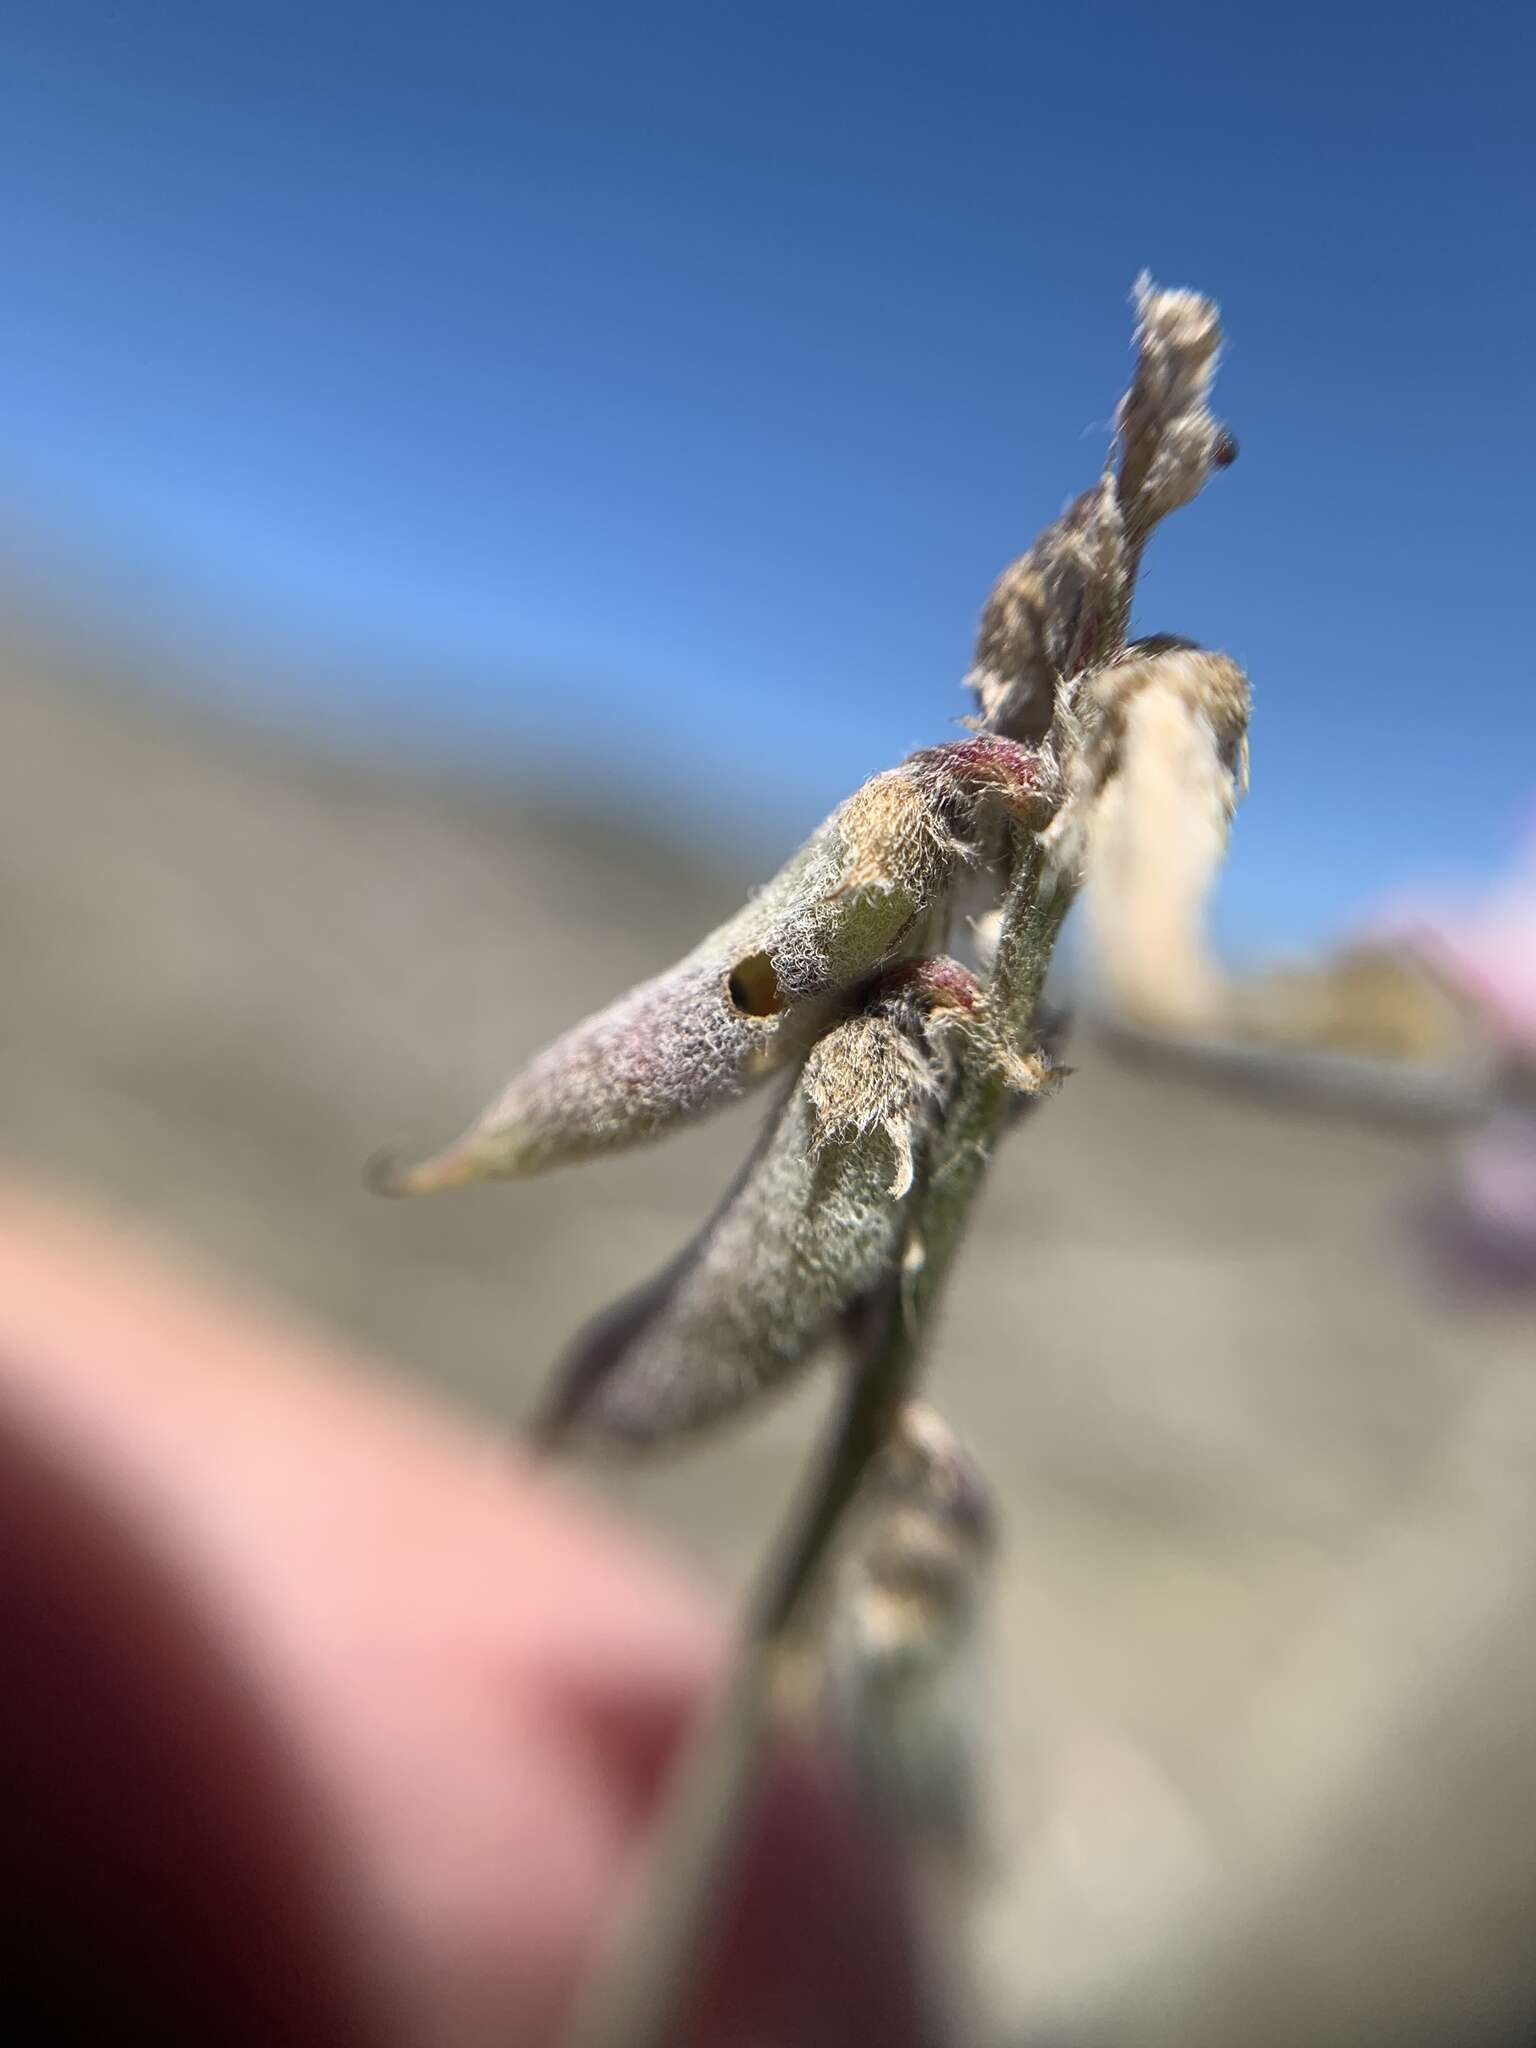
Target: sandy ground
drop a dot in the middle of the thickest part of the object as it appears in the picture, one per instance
(1265, 1733)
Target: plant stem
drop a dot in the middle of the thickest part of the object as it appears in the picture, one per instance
(637, 1996)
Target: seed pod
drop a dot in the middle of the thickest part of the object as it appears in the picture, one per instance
(902, 1682)
(814, 1223)
(1163, 765)
(754, 993)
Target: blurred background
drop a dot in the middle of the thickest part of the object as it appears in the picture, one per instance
(477, 484)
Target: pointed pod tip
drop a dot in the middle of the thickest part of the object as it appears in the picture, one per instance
(386, 1175)
(383, 1174)
(542, 1436)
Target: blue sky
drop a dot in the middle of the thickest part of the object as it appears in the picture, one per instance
(656, 390)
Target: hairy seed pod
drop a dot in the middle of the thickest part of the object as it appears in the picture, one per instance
(755, 992)
(1162, 768)
(814, 1223)
(902, 1681)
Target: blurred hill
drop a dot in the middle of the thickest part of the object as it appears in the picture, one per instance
(1266, 1607)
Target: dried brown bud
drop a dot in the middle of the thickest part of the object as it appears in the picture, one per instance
(1169, 443)
(755, 992)
(1050, 614)
(1064, 606)
(814, 1224)
(902, 1686)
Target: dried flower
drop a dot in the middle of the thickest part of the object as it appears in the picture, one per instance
(1050, 614)
(902, 1680)
(1064, 606)
(1169, 443)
